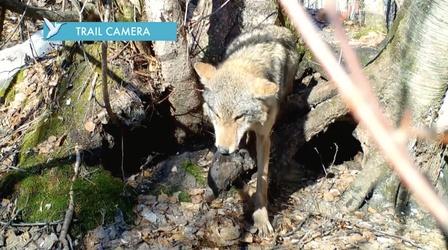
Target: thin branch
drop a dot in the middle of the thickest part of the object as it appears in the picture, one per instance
(31, 224)
(106, 99)
(91, 12)
(15, 29)
(211, 14)
(71, 206)
(366, 109)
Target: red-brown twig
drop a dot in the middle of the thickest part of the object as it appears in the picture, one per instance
(365, 107)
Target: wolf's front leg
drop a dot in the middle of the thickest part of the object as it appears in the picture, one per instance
(260, 215)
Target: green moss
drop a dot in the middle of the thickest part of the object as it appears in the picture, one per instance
(184, 197)
(9, 93)
(195, 171)
(45, 197)
(165, 189)
(99, 198)
(42, 130)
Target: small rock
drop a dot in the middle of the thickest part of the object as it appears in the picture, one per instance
(253, 229)
(143, 246)
(26, 236)
(2, 240)
(49, 241)
(52, 138)
(307, 79)
(149, 215)
(5, 202)
(162, 198)
(247, 238)
(359, 214)
(174, 169)
(11, 238)
(317, 76)
(230, 233)
(368, 235)
(335, 192)
(371, 210)
(328, 196)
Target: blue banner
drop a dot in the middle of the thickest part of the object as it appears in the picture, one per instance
(110, 31)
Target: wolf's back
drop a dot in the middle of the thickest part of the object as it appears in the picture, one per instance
(272, 49)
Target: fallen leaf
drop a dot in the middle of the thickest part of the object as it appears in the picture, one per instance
(89, 126)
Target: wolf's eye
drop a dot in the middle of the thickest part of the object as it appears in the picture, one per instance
(238, 117)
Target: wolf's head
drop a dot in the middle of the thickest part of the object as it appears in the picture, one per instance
(235, 102)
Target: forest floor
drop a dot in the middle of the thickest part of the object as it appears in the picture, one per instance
(178, 216)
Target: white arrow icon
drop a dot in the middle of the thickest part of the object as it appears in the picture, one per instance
(53, 29)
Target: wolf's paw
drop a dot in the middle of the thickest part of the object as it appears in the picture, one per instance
(261, 222)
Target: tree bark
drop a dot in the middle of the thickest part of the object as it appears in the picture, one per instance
(410, 75)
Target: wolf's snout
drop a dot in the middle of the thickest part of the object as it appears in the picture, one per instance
(223, 151)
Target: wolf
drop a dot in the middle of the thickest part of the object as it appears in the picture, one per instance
(245, 92)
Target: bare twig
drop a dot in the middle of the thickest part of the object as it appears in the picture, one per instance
(33, 224)
(114, 56)
(15, 29)
(321, 162)
(365, 107)
(71, 205)
(106, 99)
(211, 14)
(382, 233)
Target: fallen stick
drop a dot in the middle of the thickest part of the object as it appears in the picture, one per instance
(71, 205)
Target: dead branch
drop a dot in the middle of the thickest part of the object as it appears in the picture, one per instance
(382, 233)
(106, 99)
(90, 13)
(71, 205)
(31, 224)
(365, 107)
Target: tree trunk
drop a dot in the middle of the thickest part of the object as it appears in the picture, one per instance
(409, 75)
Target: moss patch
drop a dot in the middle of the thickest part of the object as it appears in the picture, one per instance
(45, 128)
(184, 197)
(99, 198)
(45, 197)
(195, 171)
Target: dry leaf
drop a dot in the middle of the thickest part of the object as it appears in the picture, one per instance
(89, 126)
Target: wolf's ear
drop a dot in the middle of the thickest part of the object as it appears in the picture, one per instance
(262, 88)
(205, 71)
